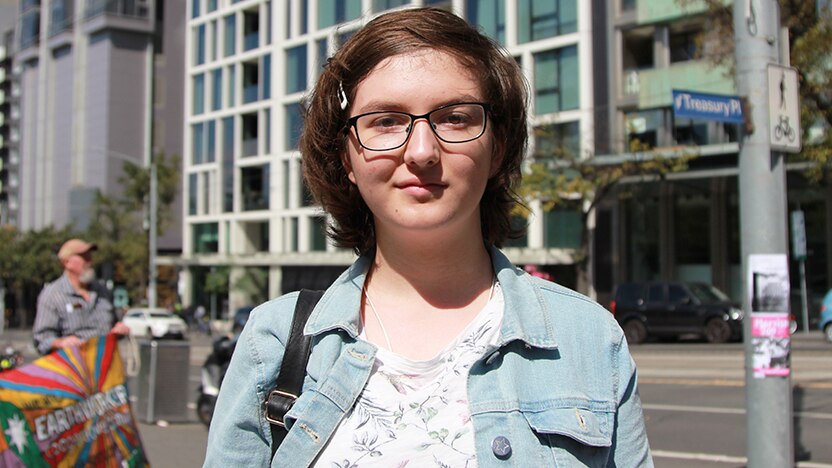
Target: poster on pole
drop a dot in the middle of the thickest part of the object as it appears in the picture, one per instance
(69, 408)
(768, 284)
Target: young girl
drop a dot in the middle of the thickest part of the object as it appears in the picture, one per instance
(432, 349)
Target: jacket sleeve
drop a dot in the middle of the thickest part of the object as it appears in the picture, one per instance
(239, 434)
(47, 323)
(629, 444)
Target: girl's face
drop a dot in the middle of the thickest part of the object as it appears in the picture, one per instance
(426, 185)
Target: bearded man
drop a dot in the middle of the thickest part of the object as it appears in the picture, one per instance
(74, 307)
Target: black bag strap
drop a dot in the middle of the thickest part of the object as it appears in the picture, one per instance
(289, 381)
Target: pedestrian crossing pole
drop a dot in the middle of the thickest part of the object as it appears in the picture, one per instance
(763, 223)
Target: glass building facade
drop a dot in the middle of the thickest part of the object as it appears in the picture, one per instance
(251, 64)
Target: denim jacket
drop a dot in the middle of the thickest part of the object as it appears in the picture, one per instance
(559, 389)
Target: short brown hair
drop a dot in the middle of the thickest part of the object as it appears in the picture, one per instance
(322, 140)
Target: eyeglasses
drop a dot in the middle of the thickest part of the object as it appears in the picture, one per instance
(388, 130)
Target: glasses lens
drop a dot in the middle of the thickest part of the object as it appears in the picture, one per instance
(459, 123)
(382, 130)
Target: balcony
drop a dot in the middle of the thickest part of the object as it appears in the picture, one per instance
(653, 87)
(130, 15)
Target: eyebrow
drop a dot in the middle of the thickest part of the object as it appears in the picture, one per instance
(381, 105)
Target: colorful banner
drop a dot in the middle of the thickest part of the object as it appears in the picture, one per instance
(69, 408)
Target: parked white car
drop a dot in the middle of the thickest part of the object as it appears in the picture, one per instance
(154, 323)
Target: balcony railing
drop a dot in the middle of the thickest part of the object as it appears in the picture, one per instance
(130, 8)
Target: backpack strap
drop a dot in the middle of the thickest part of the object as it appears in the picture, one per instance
(289, 381)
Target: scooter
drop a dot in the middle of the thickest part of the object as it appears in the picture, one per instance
(10, 358)
(212, 373)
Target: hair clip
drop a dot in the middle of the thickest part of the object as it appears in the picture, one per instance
(342, 96)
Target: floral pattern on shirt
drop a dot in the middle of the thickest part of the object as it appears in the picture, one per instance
(416, 413)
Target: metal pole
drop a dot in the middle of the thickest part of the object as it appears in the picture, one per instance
(804, 296)
(762, 187)
(151, 237)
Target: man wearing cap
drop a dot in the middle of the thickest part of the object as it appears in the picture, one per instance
(74, 307)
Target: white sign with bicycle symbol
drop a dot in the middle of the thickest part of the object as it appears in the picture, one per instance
(783, 109)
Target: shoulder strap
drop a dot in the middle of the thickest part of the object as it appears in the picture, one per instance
(289, 381)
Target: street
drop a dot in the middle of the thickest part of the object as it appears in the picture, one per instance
(693, 395)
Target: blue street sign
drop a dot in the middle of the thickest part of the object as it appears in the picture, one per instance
(707, 106)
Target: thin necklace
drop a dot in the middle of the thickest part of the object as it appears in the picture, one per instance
(381, 324)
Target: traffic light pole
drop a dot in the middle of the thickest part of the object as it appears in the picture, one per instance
(763, 221)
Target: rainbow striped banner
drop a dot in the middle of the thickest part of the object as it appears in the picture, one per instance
(69, 408)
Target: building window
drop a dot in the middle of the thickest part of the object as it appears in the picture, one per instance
(230, 35)
(199, 94)
(643, 129)
(251, 85)
(228, 164)
(232, 83)
(215, 37)
(251, 30)
(250, 134)
(216, 94)
(563, 228)
(211, 5)
(296, 69)
(541, 19)
(684, 45)
(60, 19)
(332, 12)
(266, 71)
(255, 186)
(29, 26)
(195, 8)
(294, 123)
(192, 193)
(557, 140)
(381, 5)
(267, 129)
(318, 234)
(203, 145)
(206, 237)
(490, 16)
(556, 80)
(199, 45)
(322, 54)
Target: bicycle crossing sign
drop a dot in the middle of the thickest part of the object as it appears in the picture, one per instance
(783, 109)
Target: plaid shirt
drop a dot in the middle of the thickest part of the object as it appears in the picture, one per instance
(63, 312)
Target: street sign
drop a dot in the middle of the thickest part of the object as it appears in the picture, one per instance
(783, 109)
(798, 236)
(707, 106)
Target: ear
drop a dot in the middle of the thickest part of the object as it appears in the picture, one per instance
(345, 161)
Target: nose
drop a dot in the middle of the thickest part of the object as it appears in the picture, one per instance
(422, 147)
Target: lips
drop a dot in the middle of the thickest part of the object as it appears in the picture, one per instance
(419, 188)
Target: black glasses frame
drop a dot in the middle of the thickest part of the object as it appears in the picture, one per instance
(352, 123)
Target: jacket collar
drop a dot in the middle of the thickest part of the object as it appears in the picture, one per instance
(524, 319)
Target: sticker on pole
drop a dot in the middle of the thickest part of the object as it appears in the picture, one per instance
(768, 284)
(783, 109)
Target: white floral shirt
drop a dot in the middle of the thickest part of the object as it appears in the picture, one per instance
(415, 413)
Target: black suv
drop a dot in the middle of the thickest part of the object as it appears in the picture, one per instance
(670, 309)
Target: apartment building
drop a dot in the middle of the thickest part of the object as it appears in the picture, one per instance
(8, 132)
(97, 88)
(249, 63)
(685, 227)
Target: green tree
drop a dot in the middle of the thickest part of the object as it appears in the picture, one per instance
(118, 225)
(28, 260)
(560, 179)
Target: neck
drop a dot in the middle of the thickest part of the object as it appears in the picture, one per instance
(76, 283)
(447, 273)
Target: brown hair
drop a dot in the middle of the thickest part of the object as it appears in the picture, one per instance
(323, 138)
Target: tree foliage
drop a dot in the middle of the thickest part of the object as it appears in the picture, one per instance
(558, 178)
(118, 225)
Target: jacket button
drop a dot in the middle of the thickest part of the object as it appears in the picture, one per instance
(501, 447)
